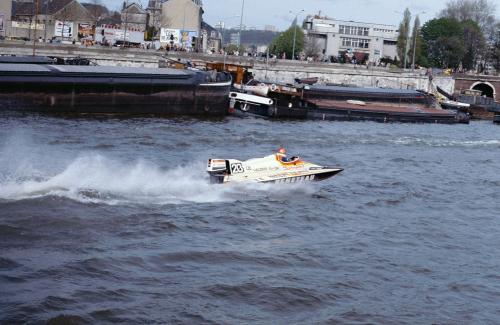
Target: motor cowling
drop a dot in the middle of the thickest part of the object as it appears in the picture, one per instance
(217, 169)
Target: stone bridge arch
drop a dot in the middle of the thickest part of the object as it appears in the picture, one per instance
(488, 85)
(485, 87)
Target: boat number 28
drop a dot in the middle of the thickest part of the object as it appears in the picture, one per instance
(237, 169)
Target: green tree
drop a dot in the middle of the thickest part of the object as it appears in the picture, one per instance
(404, 32)
(416, 43)
(443, 42)
(232, 49)
(495, 48)
(150, 33)
(475, 46)
(478, 21)
(284, 42)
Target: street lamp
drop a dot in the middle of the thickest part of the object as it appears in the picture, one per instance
(415, 42)
(241, 25)
(295, 31)
(45, 22)
(125, 5)
(34, 32)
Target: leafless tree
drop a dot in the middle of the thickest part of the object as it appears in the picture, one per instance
(480, 11)
(312, 47)
(495, 48)
(97, 10)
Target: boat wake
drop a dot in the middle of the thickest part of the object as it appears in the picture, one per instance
(97, 179)
(446, 143)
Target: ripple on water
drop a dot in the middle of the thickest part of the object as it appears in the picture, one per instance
(8, 264)
(219, 257)
(114, 221)
(280, 299)
(68, 319)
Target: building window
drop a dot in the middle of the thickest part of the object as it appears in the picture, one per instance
(354, 30)
(355, 43)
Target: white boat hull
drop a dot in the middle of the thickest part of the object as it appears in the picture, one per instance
(267, 170)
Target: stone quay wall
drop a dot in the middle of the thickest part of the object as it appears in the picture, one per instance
(101, 56)
(360, 76)
(280, 71)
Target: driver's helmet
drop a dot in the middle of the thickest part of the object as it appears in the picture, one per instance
(282, 151)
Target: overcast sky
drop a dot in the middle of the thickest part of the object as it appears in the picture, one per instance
(259, 13)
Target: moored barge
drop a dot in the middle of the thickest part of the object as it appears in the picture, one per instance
(112, 90)
(347, 104)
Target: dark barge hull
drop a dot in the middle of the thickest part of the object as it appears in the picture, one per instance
(112, 90)
(343, 111)
(398, 96)
(345, 114)
(354, 104)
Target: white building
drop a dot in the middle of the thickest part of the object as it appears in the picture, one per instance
(335, 37)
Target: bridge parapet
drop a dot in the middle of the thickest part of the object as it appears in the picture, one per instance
(488, 85)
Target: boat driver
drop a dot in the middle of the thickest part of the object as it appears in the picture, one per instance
(282, 155)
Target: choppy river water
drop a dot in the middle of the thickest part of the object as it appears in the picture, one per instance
(113, 220)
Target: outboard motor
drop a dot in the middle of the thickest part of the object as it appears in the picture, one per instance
(218, 169)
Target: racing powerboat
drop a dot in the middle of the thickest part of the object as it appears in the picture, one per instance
(269, 169)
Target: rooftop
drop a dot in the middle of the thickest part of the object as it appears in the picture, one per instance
(45, 7)
(308, 18)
